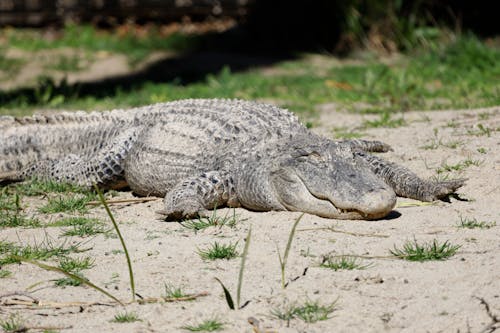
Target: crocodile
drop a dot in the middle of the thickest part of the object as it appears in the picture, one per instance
(199, 154)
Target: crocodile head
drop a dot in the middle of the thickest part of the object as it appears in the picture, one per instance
(319, 180)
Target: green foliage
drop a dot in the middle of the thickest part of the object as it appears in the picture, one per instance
(219, 251)
(458, 166)
(207, 325)
(10, 251)
(211, 221)
(4, 273)
(438, 78)
(85, 230)
(473, 223)
(173, 292)
(66, 204)
(310, 311)
(86, 37)
(11, 220)
(80, 226)
(344, 262)
(283, 260)
(126, 317)
(76, 264)
(227, 294)
(35, 186)
(13, 324)
(413, 251)
(122, 241)
(9, 66)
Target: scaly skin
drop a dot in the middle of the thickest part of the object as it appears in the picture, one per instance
(202, 153)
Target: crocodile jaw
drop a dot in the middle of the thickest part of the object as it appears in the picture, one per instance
(369, 203)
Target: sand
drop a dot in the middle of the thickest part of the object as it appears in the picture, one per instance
(389, 295)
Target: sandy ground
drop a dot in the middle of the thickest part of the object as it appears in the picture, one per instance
(390, 295)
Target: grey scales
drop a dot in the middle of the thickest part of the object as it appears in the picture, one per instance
(204, 153)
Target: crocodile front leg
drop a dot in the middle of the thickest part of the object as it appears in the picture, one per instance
(405, 183)
(195, 195)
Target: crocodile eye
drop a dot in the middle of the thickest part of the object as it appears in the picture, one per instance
(314, 157)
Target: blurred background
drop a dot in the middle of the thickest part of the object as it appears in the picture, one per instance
(364, 56)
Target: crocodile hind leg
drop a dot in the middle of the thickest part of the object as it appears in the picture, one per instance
(104, 167)
(195, 195)
(405, 183)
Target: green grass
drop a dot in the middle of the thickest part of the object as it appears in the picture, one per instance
(344, 262)
(385, 120)
(85, 230)
(69, 282)
(9, 220)
(9, 202)
(8, 65)
(211, 221)
(68, 64)
(5, 273)
(10, 211)
(173, 292)
(80, 226)
(310, 311)
(73, 265)
(460, 166)
(207, 325)
(86, 37)
(413, 251)
(66, 204)
(43, 251)
(481, 130)
(458, 75)
(473, 223)
(219, 251)
(35, 187)
(13, 324)
(126, 317)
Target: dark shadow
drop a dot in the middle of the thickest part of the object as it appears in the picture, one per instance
(394, 214)
(183, 69)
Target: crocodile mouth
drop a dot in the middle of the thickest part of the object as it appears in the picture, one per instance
(365, 205)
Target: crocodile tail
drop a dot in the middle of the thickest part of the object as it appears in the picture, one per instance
(26, 140)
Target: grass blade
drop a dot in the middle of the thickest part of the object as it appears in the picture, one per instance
(112, 218)
(227, 294)
(287, 251)
(68, 274)
(242, 266)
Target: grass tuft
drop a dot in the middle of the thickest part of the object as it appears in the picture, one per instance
(458, 166)
(13, 324)
(344, 262)
(35, 186)
(473, 223)
(207, 325)
(173, 292)
(211, 221)
(66, 204)
(5, 273)
(413, 251)
(310, 311)
(85, 230)
(126, 317)
(9, 251)
(219, 251)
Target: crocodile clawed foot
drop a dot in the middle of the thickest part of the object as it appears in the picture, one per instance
(187, 210)
(442, 189)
